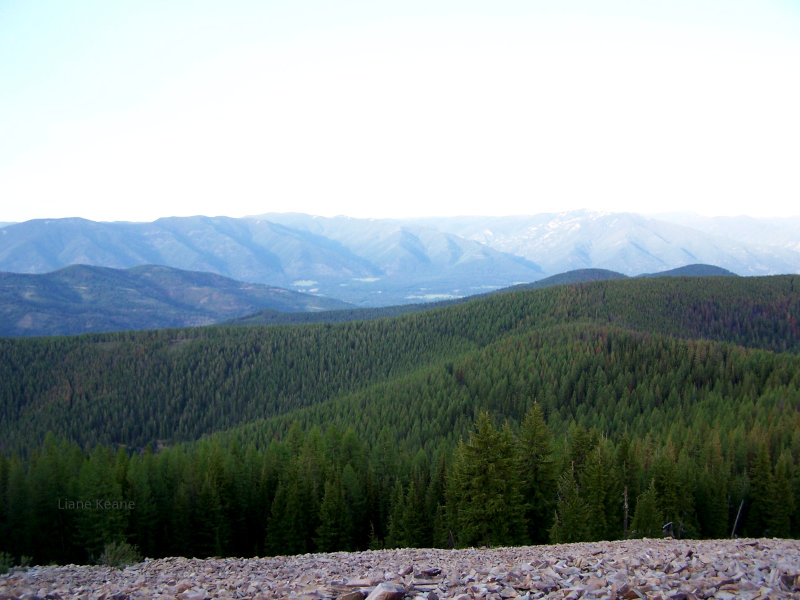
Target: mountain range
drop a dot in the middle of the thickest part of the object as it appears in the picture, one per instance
(632, 243)
(382, 262)
(83, 299)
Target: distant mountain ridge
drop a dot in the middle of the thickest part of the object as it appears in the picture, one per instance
(389, 264)
(632, 243)
(384, 262)
(83, 299)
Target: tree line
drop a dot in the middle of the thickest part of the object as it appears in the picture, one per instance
(326, 490)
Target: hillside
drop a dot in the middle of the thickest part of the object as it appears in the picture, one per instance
(209, 379)
(632, 243)
(674, 396)
(85, 299)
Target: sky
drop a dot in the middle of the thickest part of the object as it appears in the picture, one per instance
(135, 110)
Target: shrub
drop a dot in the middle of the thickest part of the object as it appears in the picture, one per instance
(119, 554)
(6, 562)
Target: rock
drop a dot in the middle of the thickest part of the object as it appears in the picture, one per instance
(632, 569)
(430, 572)
(354, 595)
(387, 591)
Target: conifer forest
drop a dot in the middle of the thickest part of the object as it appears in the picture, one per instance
(590, 411)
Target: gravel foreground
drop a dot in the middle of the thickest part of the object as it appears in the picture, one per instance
(649, 568)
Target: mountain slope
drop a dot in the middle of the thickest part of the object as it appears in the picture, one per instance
(602, 401)
(246, 250)
(370, 263)
(81, 299)
(178, 385)
(623, 242)
(396, 247)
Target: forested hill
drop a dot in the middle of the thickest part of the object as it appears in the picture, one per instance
(85, 299)
(693, 271)
(579, 412)
(137, 388)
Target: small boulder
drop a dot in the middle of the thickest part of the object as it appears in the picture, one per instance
(387, 591)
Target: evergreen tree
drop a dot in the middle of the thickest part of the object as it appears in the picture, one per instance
(537, 475)
(712, 491)
(143, 523)
(569, 524)
(648, 520)
(483, 492)
(782, 499)
(396, 534)
(211, 530)
(275, 542)
(355, 530)
(624, 486)
(760, 494)
(104, 520)
(17, 513)
(595, 488)
(581, 443)
(331, 530)
(52, 528)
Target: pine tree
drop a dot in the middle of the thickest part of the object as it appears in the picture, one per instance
(103, 521)
(760, 494)
(782, 500)
(712, 491)
(537, 475)
(647, 518)
(569, 523)
(488, 507)
(17, 512)
(143, 523)
(331, 516)
(595, 486)
(396, 534)
(355, 530)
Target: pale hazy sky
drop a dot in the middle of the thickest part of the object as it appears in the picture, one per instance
(136, 110)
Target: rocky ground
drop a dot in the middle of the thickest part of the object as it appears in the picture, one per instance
(663, 568)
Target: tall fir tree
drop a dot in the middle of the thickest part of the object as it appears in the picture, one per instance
(569, 523)
(648, 520)
(537, 474)
(483, 492)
